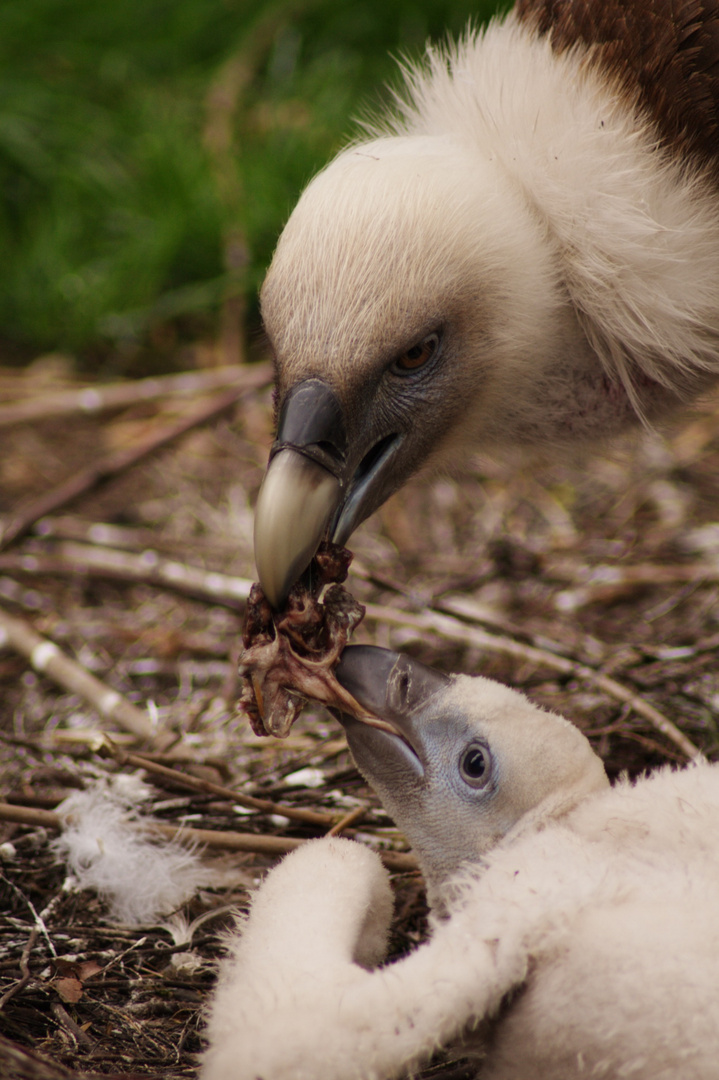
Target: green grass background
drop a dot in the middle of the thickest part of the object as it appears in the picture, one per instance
(150, 151)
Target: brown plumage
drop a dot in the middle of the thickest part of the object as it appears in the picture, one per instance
(666, 52)
(524, 254)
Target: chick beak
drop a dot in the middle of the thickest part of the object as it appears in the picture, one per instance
(396, 688)
(302, 488)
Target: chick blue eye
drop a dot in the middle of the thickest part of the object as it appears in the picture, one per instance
(418, 355)
(473, 765)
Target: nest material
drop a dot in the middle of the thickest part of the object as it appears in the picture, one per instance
(609, 566)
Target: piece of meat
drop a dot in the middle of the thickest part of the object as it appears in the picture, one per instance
(289, 656)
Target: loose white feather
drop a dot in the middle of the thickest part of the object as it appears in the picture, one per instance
(106, 846)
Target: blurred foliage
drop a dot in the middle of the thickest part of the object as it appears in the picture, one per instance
(150, 150)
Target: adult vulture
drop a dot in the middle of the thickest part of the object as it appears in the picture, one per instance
(524, 253)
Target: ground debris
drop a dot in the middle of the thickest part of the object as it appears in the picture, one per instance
(574, 573)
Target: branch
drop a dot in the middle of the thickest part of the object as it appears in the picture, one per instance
(89, 560)
(604, 583)
(226, 589)
(119, 461)
(265, 806)
(396, 861)
(231, 591)
(25, 973)
(98, 399)
(46, 658)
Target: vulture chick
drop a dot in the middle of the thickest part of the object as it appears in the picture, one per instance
(575, 930)
(524, 253)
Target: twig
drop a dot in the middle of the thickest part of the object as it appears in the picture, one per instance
(397, 861)
(119, 461)
(602, 576)
(60, 527)
(227, 589)
(41, 919)
(347, 820)
(448, 627)
(605, 584)
(39, 927)
(24, 966)
(46, 658)
(88, 560)
(265, 806)
(98, 399)
(65, 1020)
(270, 845)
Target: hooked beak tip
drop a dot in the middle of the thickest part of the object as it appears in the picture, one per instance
(297, 499)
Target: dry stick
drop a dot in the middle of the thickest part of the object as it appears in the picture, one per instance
(97, 399)
(225, 589)
(265, 806)
(88, 560)
(229, 841)
(38, 928)
(65, 1020)
(47, 659)
(602, 576)
(79, 558)
(117, 462)
(24, 965)
(69, 528)
(603, 584)
(454, 630)
(347, 820)
(20, 1063)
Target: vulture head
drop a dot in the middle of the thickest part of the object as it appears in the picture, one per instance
(463, 760)
(410, 294)
(522, 258)
(403, 328)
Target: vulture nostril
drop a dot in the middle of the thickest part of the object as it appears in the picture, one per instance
(364, 484)
(374, 455)
(332, 451)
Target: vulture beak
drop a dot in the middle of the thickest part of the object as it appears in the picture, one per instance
(396, 689)
(312, 485)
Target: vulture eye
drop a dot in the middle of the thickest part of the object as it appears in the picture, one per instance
(418, 355)
(474, 766)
